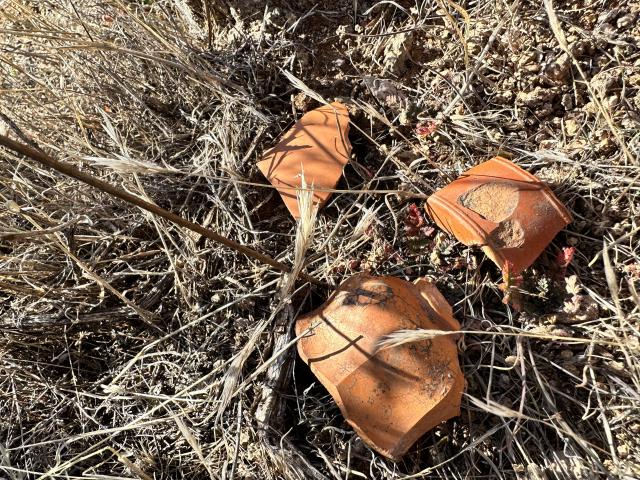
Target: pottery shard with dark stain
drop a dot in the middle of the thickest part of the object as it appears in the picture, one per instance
(499, 206)
(392, 396)
(318, 146)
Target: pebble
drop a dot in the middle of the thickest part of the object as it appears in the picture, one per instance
(559, 70)
(510, 360)
(571, 127)
(536, 96)
(626, 20)
(566, 354)
(567, 101)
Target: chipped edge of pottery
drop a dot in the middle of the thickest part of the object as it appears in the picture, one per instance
(477, 236)
(453, 393)
(286, 191)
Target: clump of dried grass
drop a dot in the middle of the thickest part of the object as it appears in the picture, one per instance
(174, 103)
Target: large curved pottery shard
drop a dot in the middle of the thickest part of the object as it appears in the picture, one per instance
(318, 146)
(391, 397)
(504, 209)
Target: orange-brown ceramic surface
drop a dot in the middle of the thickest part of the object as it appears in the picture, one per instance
(511, 214)
(392, 396)
(318, 146)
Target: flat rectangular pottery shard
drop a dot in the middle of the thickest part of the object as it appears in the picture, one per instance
(318, 146)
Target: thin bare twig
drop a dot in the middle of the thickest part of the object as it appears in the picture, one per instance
(72, 171)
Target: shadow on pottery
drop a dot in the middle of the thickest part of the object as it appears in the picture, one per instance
(390, 396)
(317, 146)
(502, 208)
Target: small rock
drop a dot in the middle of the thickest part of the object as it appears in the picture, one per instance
(606, 145)
(623, 451)
(301, 101)
(537, 97)
(609, 15)
(626, 20)
(580, 47)
(618, 367)
(571, 127)
(545, 110)
(604, 82)
(532, 68)
(396, 52)
(566, 354)
(503, 97)
(590, 107)
(634, 80)
(611, 101)
(558, 71)
(528, 58)
(473, 47)
(567, 101)
(13, 207)
(534, 472)
(510, 360)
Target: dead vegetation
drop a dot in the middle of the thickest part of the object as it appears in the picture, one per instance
(130, 348)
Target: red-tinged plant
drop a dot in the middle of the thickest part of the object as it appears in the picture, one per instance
(564, 259)
(415, 224)
(354, 264)
(391, 253)
(370, 231)
(426, 128)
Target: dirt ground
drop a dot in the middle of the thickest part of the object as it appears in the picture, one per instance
(132, 348)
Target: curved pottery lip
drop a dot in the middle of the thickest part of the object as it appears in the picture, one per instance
(502, 208)
(392, 396)
(318, 146)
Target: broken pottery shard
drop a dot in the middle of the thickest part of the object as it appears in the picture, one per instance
(507, 211)
(318, 146)
(390, 396)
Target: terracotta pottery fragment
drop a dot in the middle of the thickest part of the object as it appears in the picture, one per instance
(390, 396)
(507, 211)
(318, 146)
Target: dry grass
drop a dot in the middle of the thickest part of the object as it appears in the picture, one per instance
(175, 102)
